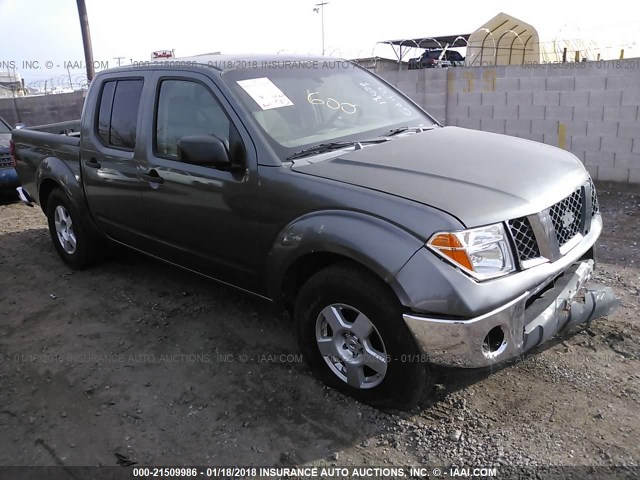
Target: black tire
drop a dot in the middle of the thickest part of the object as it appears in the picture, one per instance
(89, 248)
(349, 285)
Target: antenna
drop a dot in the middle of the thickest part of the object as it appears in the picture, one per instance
(319, 7)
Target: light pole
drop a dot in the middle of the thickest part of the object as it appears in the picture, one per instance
(319, 7)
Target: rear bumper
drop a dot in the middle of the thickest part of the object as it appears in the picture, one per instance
(517, 327)
(8, 178)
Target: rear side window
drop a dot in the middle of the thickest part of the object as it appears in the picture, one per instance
(118, 113)
(104, 114)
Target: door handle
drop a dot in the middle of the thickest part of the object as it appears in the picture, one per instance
(152, 177)
(93, 163)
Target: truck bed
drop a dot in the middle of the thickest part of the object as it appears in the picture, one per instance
(53, 143)
(70, 128)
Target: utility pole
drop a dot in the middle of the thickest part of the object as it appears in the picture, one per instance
(86, 39)
(70, 82)
(119, 59)
(319, 7)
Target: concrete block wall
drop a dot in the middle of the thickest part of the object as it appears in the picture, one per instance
(591, 109)
(43, 109)
(425, 87)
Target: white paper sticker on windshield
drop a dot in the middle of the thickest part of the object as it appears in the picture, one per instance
(265, 93)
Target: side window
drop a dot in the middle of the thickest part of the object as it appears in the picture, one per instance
(118, 113)
(104, 114)
(187, 108)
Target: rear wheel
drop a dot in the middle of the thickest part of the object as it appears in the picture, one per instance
(71, 238)
(352, 334)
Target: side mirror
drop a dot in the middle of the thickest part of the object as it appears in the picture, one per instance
(205, 150)
(20, 126)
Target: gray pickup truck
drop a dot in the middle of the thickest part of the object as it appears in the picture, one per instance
(394, 243)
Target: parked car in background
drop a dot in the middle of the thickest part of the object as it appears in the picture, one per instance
(437, 58)
(8, 176)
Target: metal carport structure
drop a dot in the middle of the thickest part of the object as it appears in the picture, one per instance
(402, 47)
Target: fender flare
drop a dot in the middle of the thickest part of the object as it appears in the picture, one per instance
(381, 246)
(52, 168)
(58, 171)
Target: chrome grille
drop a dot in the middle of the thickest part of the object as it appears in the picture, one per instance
(565, 220)
(524, 239)
(5, 160)
(595, 206)
(566, 216)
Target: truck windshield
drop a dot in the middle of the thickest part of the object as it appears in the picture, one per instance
(300, 104)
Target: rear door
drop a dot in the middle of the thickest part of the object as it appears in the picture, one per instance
(110, 166)
(198, 216)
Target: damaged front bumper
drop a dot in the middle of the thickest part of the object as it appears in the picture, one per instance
(520, 325)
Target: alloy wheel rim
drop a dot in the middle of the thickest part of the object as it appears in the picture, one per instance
(351, 346)
(64, 230)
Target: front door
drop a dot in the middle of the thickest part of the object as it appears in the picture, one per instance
(197, 216)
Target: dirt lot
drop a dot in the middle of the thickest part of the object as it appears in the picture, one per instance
(136, 361)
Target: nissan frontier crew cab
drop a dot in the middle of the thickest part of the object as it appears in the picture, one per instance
(393, 242)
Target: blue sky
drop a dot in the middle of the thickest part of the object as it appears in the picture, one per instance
(49, 30)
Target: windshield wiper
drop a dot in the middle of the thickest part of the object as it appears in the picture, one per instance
(398, 130)
(327, 147)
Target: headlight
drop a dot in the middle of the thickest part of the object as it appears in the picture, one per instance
(482, 252)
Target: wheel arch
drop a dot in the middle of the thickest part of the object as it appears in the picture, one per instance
(321, 239)
(55, 173)
(47, 186)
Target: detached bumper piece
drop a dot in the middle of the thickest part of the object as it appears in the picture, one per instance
(517, 327)
(24, 196)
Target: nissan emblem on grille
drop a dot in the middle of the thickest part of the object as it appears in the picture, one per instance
(567, 219)
(566, 216)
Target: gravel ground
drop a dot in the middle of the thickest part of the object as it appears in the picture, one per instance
(136, 361)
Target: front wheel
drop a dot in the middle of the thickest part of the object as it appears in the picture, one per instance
(71, 238)
(351, 332)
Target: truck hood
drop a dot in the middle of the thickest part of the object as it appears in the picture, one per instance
(4, 140)
(478, 177)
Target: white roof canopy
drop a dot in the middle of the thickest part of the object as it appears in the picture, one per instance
(503, 40)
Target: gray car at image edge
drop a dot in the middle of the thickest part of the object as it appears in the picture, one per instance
(393, 243)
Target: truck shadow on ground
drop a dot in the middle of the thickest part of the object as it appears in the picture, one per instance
(185, 370)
